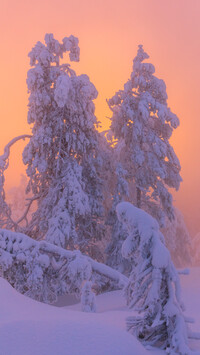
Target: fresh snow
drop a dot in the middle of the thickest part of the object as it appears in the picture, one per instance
(28, 327)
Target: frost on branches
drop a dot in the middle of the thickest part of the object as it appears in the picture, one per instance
(62, 155)
(144, 123)
(154, 287)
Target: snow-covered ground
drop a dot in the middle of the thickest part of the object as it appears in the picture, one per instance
(28, 327)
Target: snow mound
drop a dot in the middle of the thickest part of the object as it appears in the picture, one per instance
(29, 327)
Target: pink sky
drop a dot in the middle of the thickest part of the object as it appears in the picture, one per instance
(109, 32)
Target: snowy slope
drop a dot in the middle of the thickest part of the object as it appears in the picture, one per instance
(28, 327)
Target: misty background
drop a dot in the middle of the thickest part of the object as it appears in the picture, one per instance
(109, 32)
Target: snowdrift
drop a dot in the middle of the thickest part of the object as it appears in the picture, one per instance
(28, 327)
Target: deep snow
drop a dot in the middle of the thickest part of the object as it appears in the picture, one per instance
(28, 327)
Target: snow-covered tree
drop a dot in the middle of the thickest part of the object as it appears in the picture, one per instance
(154, 287)
(62, 155)
(143, 122)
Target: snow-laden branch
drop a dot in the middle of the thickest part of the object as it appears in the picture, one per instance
(107, 271)
(6, 154)
(43, 271)
(5, 210)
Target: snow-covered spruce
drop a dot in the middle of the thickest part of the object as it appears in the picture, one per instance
(154, 287)
(142, 123)
(43, 271)
(62, 155)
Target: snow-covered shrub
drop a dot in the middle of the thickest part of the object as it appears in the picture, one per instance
(153, 289)
(88, 298)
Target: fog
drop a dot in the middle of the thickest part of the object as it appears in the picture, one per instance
(109, 32)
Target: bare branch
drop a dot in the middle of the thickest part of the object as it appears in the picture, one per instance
(27, 209)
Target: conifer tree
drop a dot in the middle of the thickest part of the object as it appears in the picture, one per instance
(62, 155)
(143, 122)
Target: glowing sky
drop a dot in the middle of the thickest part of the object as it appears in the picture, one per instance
(109, 32)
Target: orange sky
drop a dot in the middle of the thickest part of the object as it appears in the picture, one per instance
(109, 32)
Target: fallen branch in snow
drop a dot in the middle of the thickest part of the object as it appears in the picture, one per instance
(107, 271)
(43, 271)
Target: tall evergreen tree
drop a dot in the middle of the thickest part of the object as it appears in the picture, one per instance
(62, 155)
(144, 123)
